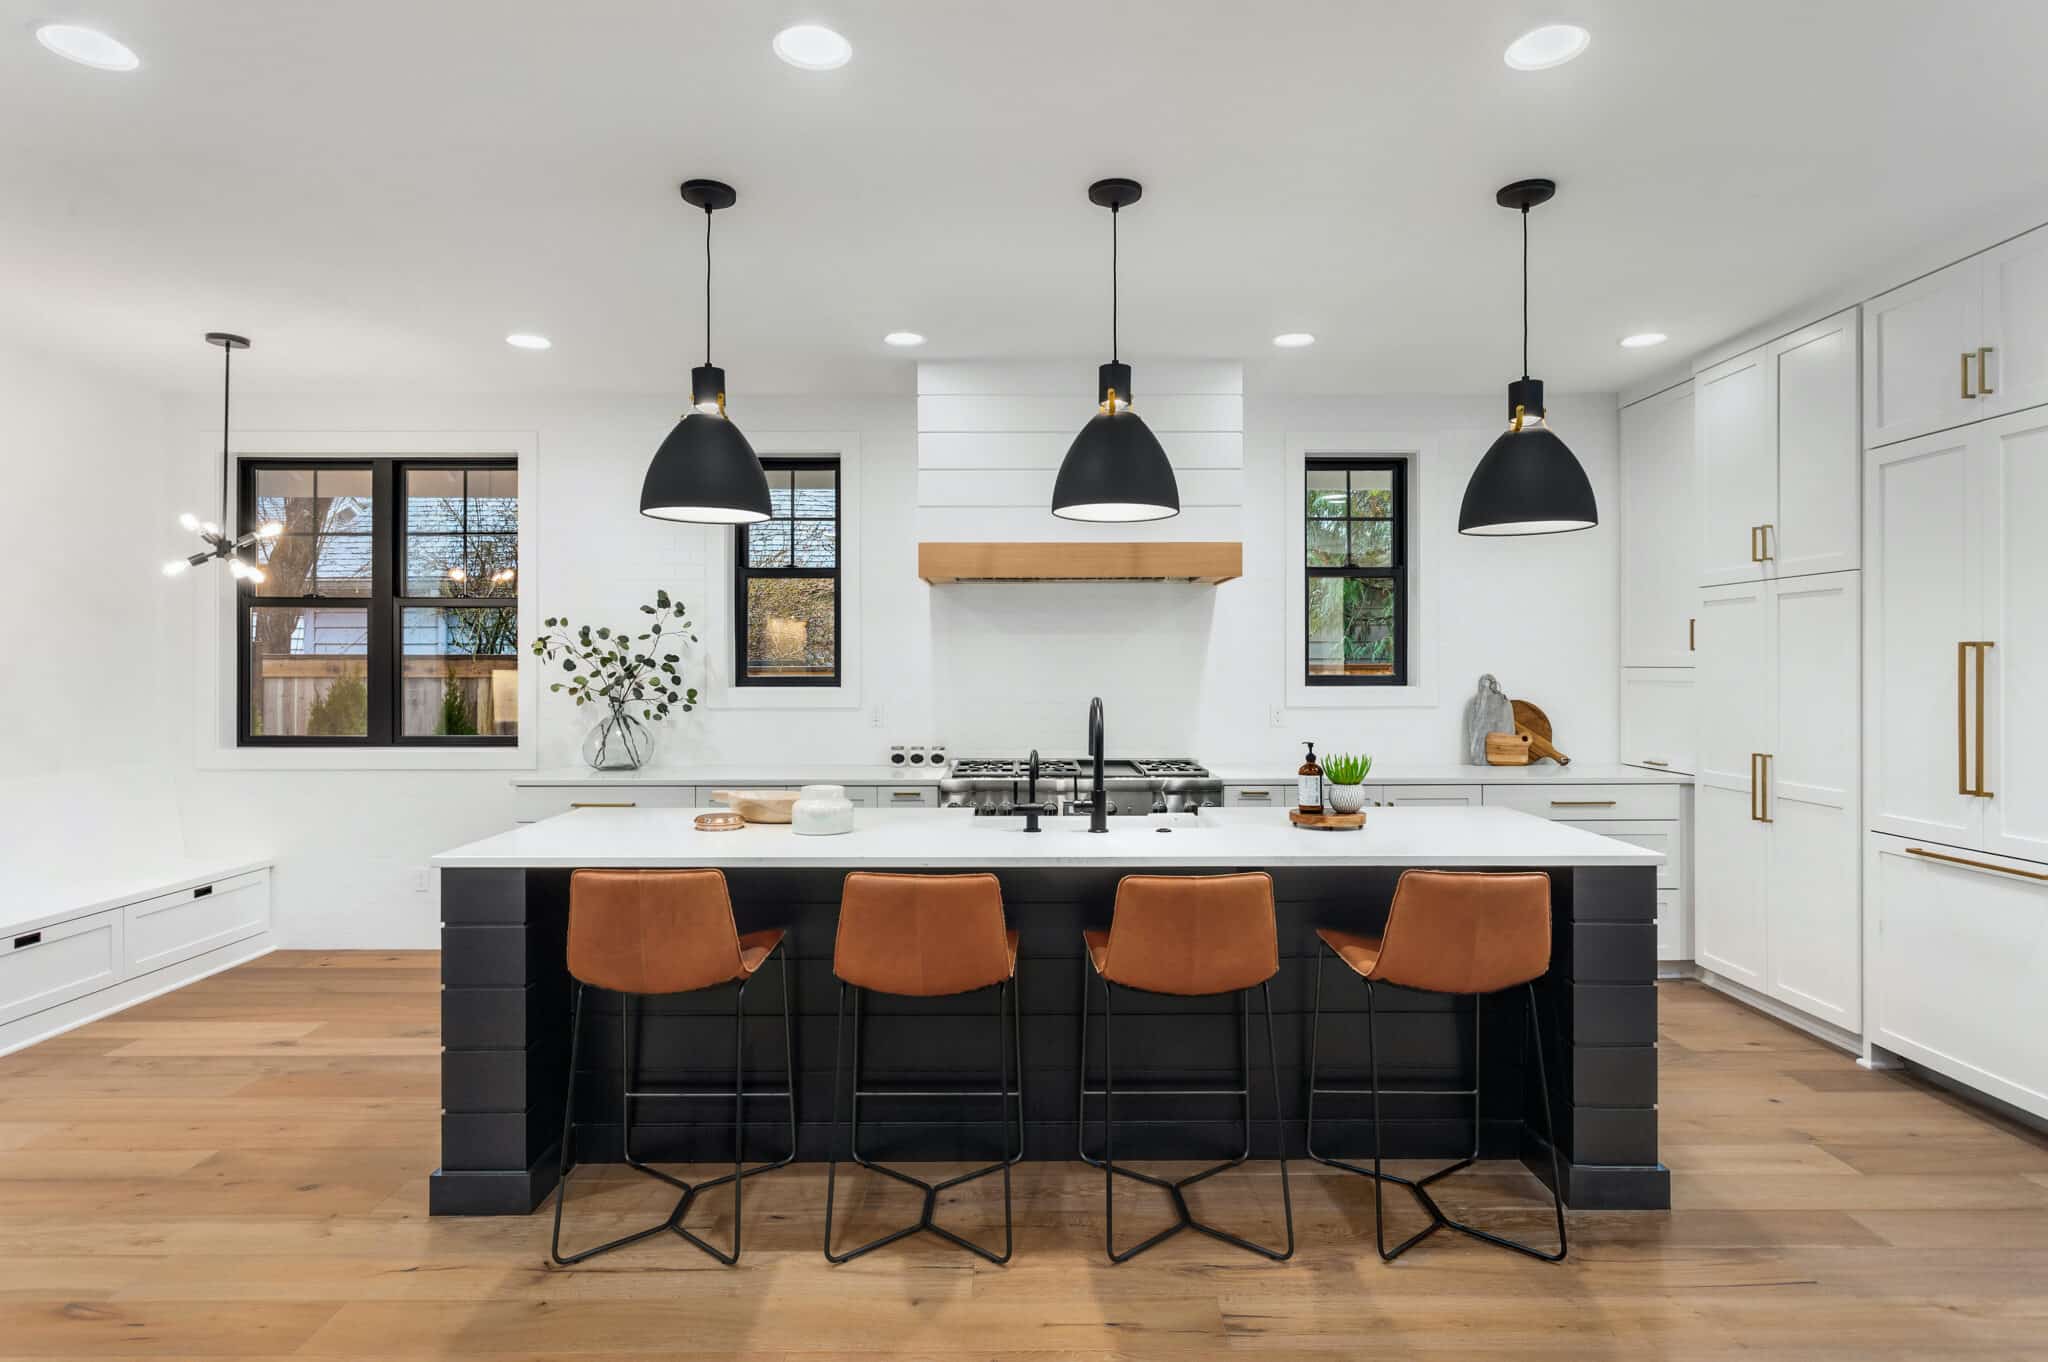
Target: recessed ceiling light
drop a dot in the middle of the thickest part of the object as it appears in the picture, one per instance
(1643, 340)
(526, 340)
(1551, 45)
(1294, 340)
(903, 339)
(813, 47)
(88, 47)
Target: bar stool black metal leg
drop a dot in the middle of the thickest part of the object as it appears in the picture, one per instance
(568, 1161)
(1009, 1044)
(1176, 1188)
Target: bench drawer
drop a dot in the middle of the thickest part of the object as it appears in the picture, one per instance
(55, 964)
(1582, 802)
(163, 931)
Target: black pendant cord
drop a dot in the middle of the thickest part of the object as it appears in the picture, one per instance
(707, 284)
(1114, 289)
(227, 375)
(1525, 291)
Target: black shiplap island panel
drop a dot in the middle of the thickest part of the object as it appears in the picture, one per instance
(505, 1016)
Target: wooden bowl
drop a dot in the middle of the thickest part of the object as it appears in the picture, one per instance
(759, 806)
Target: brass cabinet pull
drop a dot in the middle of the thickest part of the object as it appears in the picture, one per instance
(1652, 761)
(629, 804)
(1976, 865)
(1966, 741)
(1764, 535)
(1984, 388)
(1755, 784)
(1752, 544)
(1692, 635)
(1582, 803)
(1966, 375)
(1763, 796)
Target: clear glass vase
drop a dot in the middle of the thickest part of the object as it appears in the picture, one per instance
(618, 741)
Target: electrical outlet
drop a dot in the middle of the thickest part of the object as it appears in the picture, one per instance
(419, 879)
(1279, 717)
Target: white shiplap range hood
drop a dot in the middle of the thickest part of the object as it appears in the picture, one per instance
(990, 436)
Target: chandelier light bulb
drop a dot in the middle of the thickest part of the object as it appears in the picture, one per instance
(188, 521)
(176, 567)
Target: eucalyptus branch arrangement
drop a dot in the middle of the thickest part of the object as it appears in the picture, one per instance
(619, 668)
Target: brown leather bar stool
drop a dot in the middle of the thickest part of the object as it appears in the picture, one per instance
(644, 933)
(1191, 936)
(925, 936)
(1457, 932)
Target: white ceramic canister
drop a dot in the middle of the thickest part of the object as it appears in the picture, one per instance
(821, 811)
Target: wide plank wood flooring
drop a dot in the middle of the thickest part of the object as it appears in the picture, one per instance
(240, 1170)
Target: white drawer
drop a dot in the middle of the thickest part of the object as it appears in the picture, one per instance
(535, 802)
(1670, 926)
(906, 796)
(1426, 796)
(1259, 796)
(861, 796)
(163, 931)
(1663, 837)
(1579, 802)
(55, 964)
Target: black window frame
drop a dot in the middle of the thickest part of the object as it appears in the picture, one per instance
(386, 603)
(1396, 569)
(742, 574)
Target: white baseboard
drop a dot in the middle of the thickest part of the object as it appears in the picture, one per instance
(1777, 1011)
(69, 1016)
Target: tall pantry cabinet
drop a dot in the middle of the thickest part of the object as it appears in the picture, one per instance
(1777, 671)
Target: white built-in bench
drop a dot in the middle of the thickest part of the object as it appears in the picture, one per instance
(86, 930)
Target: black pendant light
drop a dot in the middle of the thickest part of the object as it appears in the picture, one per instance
(219, 543)
(705, 471)
(1115, 469)
(1529, 482)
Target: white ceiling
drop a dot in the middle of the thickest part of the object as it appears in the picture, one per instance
(379, 190)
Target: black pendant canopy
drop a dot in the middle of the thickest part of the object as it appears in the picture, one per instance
(1529, 482)
(1115, 470)
(705, 471)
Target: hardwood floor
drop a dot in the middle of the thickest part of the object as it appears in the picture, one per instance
(239, 1170)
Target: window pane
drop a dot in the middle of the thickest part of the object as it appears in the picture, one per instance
(817, 492)
(461, 672)
(790, 627)
(493, 564)
(778, 492)
(433, 500)
(1372, 543)
(435, 565)
(325, 547)
(817, 542)
(1372, 493)
(768, 544)
(1351, 626)
(1325, 492)
(493, 500)
(309, 671)
(1326, 543)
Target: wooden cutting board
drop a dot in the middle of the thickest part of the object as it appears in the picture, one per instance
(1532, 721)
(1327, 822)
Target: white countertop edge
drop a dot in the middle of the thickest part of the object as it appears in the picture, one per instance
(82, 897)
(782, 775)
(936, 839)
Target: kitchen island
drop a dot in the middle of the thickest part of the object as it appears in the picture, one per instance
(505, 1002)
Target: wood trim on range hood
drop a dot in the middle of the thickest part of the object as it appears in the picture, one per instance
(1082, 561)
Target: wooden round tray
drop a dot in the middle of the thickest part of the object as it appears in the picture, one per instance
(1326, 822)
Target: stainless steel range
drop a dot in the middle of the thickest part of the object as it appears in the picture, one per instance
(997, 786)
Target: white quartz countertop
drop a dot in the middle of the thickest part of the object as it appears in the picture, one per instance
(944, 839)
(783, 774)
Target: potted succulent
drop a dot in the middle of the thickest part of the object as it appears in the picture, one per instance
(628, 675)
(1345, 774)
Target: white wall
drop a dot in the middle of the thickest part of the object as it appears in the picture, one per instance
(1182, 669)
(81, 741)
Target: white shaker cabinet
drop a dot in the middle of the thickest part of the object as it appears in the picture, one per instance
(1657, 516)
(1777, 453)
(1958, 636)
(1965, 343)
(1735, 467)
(1959, 947)
(1657, 718)
(1776, 855)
